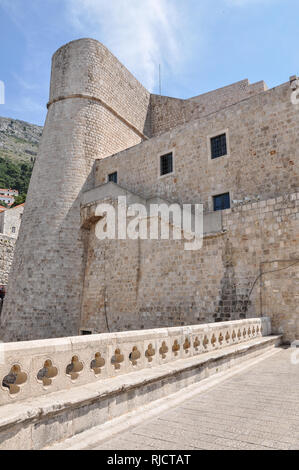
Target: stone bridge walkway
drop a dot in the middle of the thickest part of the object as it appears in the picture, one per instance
(258, 408)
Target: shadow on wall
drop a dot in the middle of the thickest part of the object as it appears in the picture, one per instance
(231, 305)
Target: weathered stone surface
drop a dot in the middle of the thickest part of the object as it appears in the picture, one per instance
(72, 359)
(254, 410)
(44, 296)
(101, 120)
(49, 416)
(7, 246)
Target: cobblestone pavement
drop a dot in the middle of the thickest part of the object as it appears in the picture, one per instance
(256, 409)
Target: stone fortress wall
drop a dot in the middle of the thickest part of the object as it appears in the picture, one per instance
(135, 285)
(158, 283)
(102, 120)
(167, 113)
(96, 108)
(262, 161)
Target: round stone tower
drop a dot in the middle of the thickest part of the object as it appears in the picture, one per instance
(96, 108)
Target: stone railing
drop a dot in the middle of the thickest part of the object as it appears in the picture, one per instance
(35, 368)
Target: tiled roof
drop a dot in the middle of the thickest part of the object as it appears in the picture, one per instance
(19, 205)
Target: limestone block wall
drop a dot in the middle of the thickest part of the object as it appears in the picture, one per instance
(167, 113)
(147, 283)
(7, 246)
(262, 158)
(87, 67)
(98, 112)
(96, 108)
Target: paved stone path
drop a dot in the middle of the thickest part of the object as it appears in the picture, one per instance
(256, 409)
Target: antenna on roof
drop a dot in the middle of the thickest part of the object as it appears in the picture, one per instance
(160, 81)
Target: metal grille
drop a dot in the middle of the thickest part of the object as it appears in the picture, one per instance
(221, 202)
(218, 146)
(113, 177)
(166, 164)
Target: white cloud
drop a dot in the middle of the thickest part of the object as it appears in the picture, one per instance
(141, 33)
(242, 3)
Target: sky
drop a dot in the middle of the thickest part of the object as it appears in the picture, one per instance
(201, 44)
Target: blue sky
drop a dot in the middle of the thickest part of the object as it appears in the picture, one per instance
(201, 44)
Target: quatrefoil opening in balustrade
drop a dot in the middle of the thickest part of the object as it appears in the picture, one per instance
(227, 337)
(163, 350)
(47, 373)
(14, 380)
(257, 330)
(239, 335)
(176, 347)
(220, 339)
(117, 359)
(249, 332)
(196, 344)
(205, 342)
(213, 340)
(134, 356)
(234, 335)
(253, 331)
(244, 333)
(97, 363)
(150, 352)
(74, 368)
(187, 345)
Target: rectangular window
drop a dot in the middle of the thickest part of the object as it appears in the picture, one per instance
(13, 229)
(218, 146)
(166, 164)
(221, 202)
(113, 177)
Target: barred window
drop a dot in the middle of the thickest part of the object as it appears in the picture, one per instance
(113, 177)
(166, 164)
(221, 202)
(218, 146)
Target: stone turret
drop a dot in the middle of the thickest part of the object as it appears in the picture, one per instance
(96, 108)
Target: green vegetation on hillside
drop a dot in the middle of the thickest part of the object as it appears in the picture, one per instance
(19, 143)
(16, 175)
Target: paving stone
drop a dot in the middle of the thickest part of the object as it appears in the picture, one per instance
(233, 415)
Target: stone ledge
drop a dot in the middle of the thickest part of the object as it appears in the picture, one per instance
(60, 415)
(30, 356)
(92, 438)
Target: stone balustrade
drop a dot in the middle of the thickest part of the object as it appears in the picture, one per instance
(34, 368)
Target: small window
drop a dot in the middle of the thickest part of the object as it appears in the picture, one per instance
(13, 229)
(86, 332)
(113, 177)
(218, 146)
(221, 202)
(166, 164)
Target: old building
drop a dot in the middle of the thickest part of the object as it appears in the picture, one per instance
(8, 196)
(10, 221)
(234, 150)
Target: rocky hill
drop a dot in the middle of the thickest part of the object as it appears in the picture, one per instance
(19, 140)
